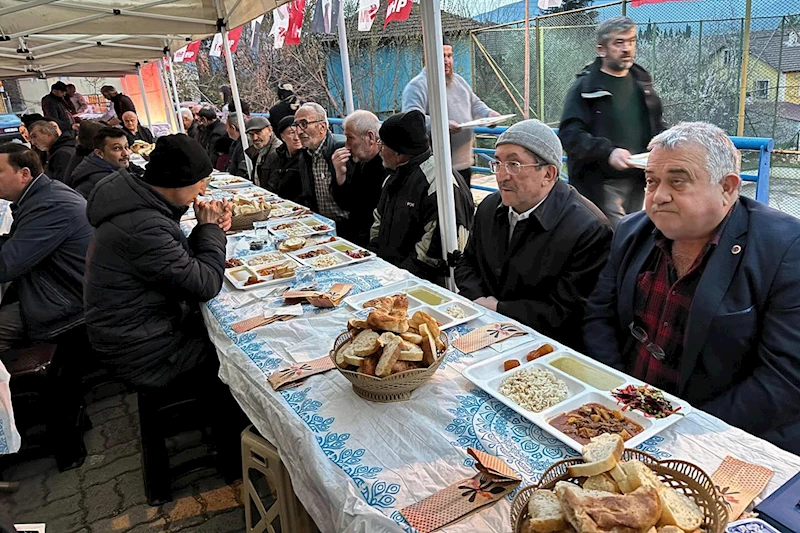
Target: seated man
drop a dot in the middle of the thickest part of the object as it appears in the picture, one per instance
(262, 143)
(537, 245)
(85, 146)
(406, 227)
(60, 147)
(359, 175)
(700, 293)
(281, 170)
(236, 157)
(45, 252)
(190, 126)
(134, 130)
(144, 280)
(111, 153)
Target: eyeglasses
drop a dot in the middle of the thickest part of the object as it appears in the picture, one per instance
(641, 335)
(512, 168)
(303, 124)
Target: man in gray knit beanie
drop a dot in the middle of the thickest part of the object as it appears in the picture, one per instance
(537, 246)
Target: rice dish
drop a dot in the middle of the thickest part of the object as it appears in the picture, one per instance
(534, 389)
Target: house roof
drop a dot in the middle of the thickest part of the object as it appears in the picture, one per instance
(452, 24)
(781, 52)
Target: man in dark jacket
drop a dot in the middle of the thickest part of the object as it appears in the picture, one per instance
(144, 279)
(44, 253)
(237, 164)
(85, 146)
(281, 171)
(700, 293)
(406, 229)
(288, 104)
(54, 107)
(121, 103)
(610, 113)
(262, 144)
(60, 148)
(213, 130)
(111, 153)
(317, 174)
(359, 175)
(134, 130)
(537, 245)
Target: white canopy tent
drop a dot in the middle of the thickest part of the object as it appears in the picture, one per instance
(41, 38)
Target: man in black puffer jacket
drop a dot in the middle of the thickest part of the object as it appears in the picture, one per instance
(111, 153)
(144, 279)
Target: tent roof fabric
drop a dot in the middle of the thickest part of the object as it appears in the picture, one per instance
(79, 37)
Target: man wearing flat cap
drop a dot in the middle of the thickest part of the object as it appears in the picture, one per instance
(262, 143)
(537, 246)
(406, 228)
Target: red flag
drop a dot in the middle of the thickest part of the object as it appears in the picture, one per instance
(397, 10)
(296, 11)
(233, 38)
(190, 54)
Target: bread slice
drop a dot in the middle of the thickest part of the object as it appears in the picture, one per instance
(669, 529)
(679, 510)
(544, 511)
(597, 511)
(420, 318)
(351, 359)
(410, 352)
(602, 482)
(601, 455)
(368, 365)
(639, 475)
(357, 323)
(344, 351)
(391, 351)
(366, 343)
(413, 338)
(621, 478)
(429, 353)
(404, 366)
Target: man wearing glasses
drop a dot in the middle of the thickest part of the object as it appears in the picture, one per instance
(317, 173)
(700, 294)
(537, 245)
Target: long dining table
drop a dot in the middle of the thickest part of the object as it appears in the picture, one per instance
(354, 464)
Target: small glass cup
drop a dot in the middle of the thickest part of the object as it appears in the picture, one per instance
(261, 233)
(305, 276)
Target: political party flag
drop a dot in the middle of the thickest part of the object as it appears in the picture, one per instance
(296, 13)
(397, 10)
(367, 12)
(190, 53)
(280, 25)
(216, 46)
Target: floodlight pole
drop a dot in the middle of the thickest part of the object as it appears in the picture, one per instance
(226, 51)
(344, 56)
(437, 106)
(144, 96)
(175, 92)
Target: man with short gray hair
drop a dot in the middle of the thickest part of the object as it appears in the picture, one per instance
(359, 174)
(610, 113)
(699, 296)
(537, 246)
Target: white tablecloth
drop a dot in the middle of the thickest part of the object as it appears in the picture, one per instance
(354, 463)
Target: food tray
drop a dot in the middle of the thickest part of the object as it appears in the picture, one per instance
(285, 208)
(683, 476)
(489, 374)
(238, 275)
(438, 311)
(330, 250)
(393, 388)
(228, 182)
(258, 192)
(305, 224)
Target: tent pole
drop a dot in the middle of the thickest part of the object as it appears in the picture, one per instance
(144, 97)
(437, 102)
(344, 55)
(226, 51)
(167, 99)
(527, 98)
(175, 91)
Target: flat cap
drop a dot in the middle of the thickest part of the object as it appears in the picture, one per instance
(256, 124)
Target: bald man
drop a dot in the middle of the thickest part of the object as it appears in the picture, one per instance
(135, 131)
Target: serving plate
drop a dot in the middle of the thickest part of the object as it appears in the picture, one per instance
(337, 250)
(228, 181)
(489, 374)
(239, 275)
(299, 227)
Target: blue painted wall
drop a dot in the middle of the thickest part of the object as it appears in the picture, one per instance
(378, 81)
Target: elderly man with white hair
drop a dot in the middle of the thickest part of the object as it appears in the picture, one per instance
(317, 174)
(700, 294)
(359, 174)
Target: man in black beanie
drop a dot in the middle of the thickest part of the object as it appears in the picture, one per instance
(406, 228)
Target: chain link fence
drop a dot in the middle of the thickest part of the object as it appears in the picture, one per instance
(695, 54)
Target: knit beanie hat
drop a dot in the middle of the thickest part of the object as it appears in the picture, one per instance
(405, 133)
(284, 123)
(537, 137)
(177, 161)
(285, 90)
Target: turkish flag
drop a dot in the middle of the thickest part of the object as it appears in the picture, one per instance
(190, 54)
(397, 10)
(296, 12)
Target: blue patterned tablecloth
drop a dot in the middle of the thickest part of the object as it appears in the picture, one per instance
(354, 464)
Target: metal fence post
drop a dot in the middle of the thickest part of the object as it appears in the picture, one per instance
(526, 113)
(699, 68)
(745, 62)
(540, 71)
(624, 7)
(762, 185)
(780, 72)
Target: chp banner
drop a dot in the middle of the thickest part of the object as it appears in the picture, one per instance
(187, 54)
(296, 13)
(397, 10)
(280, 26)
(234, 36)
(367, 12)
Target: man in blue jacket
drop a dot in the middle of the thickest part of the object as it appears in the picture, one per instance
(700, 294)
(44, 253)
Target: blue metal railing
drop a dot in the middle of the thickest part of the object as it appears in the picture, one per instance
(763, 145)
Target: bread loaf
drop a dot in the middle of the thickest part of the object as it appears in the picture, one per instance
(365, 343)
(544, 512)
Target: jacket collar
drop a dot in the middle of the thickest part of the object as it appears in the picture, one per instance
(548, 213)
(594, 80)
(37, 183)
(64, 138)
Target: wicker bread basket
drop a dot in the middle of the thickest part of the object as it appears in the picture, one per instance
(684, 477)
(393, 388)
(244, 222)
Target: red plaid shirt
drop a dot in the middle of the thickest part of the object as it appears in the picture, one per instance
(661, 308)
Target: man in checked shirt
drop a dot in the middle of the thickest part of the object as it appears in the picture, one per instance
(701, 293)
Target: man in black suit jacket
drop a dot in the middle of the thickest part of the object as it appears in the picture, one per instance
(700, 294)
